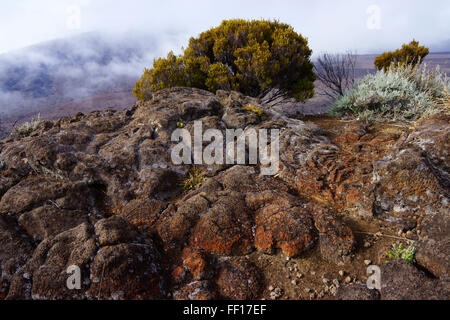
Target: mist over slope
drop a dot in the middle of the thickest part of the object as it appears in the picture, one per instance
(93, 67)
(96, 71)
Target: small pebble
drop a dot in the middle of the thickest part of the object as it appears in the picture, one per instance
(336, 282)
(313, 273)
(277, 293)
(348, 280)
(333, 291)
(367, 262)
(299, 275)
(294, 282)
(342, 273)
(325, 280)
(271, 288)
(367, 244)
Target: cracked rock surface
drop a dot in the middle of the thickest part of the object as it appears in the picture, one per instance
(100, 191)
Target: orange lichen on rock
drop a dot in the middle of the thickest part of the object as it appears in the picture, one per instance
(280, 223)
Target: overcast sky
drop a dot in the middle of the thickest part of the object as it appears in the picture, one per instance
(363, 25)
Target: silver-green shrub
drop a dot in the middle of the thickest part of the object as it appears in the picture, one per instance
(28, 127)
(403, 93)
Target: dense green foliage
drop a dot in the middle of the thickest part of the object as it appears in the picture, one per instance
(252, 57)
(403, 93)
(411, 54)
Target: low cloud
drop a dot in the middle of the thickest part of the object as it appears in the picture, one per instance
(75, 68)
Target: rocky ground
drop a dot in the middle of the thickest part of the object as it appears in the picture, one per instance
(99, 191)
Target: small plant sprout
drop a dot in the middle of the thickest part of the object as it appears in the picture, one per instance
(398, 252)
(180, 125)
(256, 110)
(194, 178)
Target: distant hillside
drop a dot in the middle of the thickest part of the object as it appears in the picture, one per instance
(366, 62)
(82, 73)
(443, 46)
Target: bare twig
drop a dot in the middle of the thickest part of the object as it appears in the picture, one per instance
(55, 204)
(336, 72)
(273, 95)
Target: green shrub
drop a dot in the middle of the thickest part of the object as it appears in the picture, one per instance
(404, 93)
(398, 252)
(252, 57)
(409, 54)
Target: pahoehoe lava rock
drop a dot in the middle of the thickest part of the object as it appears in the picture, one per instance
(100, 191)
